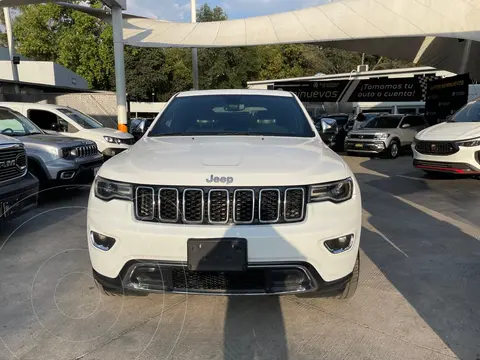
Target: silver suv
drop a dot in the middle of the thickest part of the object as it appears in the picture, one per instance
(385, 134)
(54, 160)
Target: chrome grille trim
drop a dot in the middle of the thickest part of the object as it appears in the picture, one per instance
(302, 214)
(208, 205)
(235, 206)
(17, 153)
(228, 206)
(137, 203)
(88, 150)
(260, 207)
(177, 206)
(183, 207)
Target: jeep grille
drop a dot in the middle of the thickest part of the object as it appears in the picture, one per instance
(88, 150)
(220, 205)
(13, 162)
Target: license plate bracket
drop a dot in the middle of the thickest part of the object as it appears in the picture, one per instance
(221, 254)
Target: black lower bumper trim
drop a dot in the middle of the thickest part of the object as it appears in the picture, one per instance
(83, 175)
(373, 147)
(258, 279)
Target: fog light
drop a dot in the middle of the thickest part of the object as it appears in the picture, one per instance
(339, 245)
(101, 242)
(67, 175)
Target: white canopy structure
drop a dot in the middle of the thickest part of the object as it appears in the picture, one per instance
(421, 31)
(441, 33)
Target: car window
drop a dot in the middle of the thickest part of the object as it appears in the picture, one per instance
(417, 121)
(15, 124)
(85, 121)
(383, 122)
(469, 113)
(233, 115)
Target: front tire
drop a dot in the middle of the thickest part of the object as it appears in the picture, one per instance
(393, 150)
(352, 284)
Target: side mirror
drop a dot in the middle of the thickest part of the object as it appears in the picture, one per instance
(328, 125)
(405, 126)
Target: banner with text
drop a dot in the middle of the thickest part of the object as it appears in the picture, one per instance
(377, 90)
(445, 97)
(317, 91)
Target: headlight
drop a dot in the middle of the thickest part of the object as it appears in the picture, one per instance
(469, 143)
(381, 136)
(68, 153)
(337, 191)
(107, 189)
(112, 139)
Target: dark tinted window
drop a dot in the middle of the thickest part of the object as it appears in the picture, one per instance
(384, 122)
(469, 113)
(233, 115)
(414, 120)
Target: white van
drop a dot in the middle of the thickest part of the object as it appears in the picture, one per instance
(56, 119)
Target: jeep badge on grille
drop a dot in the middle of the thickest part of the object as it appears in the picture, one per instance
(217, 179)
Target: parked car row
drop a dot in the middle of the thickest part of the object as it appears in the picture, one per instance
(42, 146)
(449, 147)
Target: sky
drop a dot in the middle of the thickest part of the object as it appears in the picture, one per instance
(179, 10)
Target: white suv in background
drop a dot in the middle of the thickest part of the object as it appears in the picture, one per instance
(452, 146)
(229, 192)
(56, 119)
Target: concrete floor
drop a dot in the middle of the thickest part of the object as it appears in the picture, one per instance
(419, 295)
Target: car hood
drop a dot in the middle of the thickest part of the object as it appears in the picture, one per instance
(58, 141)
(8, 140)
(364, 131)
(109, 132)
(451, 131)
(250, 161)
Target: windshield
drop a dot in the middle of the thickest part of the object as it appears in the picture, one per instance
(233, 115)
(469, 113)
(15, 124)
(383, 122)
(85, 121)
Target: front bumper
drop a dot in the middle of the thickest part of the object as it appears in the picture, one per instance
(371, 147)
(18, 197)
(288, 245)
(79, 175)
(466, 161)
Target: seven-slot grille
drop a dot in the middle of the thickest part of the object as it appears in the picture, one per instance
(436, 148)
(220, 206)
(88, 150)
(13, 162)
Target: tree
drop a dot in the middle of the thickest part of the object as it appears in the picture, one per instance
(73, 39)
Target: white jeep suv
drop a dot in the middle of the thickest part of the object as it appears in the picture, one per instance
(229, 192)
(452, 146)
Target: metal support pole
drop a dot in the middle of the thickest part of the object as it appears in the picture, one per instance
(466, 56)
(11, 46)
(193, 11)
(117, 22)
